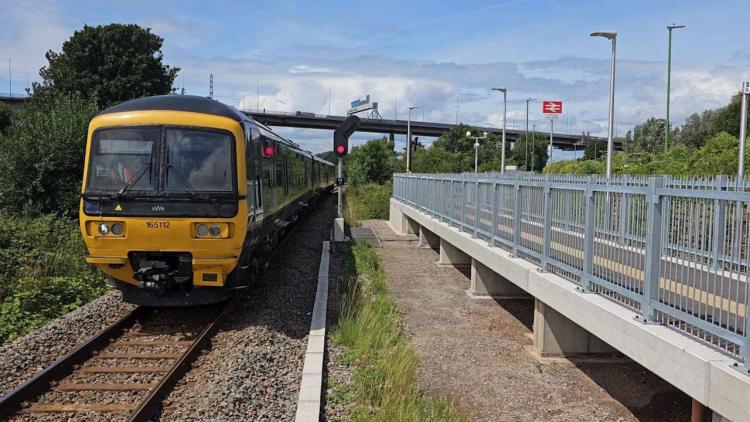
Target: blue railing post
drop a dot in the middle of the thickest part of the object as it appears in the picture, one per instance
(654, 208)
(547, 224)
(588, 238)
(451, 206)
(476, 209)
(720, 224)
(463, 203)
(623, 212)
(516, 216)
(494, 213)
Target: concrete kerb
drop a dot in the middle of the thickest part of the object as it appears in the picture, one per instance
(697, 369)
(311, 385)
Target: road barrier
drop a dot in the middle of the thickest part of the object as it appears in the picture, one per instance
(676, 251)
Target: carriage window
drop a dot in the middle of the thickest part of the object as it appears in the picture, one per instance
(122, 156)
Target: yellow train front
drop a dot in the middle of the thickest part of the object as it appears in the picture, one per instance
(184, 198)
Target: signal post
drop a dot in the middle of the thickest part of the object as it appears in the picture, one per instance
(341, 148)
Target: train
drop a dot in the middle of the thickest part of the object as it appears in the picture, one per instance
(184, 198)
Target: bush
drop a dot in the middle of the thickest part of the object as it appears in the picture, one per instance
(718, 156)
(5, 116)
(42, 153)
(370, 201)
(43, 273)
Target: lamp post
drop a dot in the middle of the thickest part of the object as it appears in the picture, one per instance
(669, 80)
(743, 130)
(526, 155)
(408, 140)
(476, 148)
(612, 36)
(505, 116)
(533, 146)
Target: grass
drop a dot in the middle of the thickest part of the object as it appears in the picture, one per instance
(383, 362)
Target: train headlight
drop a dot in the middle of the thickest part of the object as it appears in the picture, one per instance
(117, 229)
(103, 229)
(212, 230)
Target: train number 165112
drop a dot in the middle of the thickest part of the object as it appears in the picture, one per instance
(157, 224)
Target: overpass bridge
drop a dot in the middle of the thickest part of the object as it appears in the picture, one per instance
(307, 120)
(13, 100)
(653, 268)
(385, 126)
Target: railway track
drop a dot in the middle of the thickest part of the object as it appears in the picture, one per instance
(121, 373)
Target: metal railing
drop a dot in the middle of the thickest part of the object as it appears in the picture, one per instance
(676, 251)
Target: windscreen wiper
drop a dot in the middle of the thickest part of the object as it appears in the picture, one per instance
(133, 180)
(188, 185)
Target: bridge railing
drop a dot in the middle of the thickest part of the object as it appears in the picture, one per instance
(676, 251)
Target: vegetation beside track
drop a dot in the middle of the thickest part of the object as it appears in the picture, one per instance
(368, 201)
(42, 273)
(376, 348)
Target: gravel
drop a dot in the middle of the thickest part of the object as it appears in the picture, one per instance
(27, 355)
(338, 376)
(255, 365)
(480, 353)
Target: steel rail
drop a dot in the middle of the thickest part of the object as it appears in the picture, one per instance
(152, 403)
(65, 365)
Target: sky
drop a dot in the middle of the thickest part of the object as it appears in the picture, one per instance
(442, 56)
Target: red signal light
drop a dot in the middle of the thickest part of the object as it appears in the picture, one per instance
(340, 149)
(267, 151)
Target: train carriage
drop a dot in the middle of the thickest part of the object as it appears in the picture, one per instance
(184, 198)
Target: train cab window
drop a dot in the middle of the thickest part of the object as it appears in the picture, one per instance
(198, 160)
(122, 157)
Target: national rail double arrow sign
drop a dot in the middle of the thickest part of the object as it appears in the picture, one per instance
(552, 109)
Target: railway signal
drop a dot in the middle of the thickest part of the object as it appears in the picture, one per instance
(341, 147)
(342, 133)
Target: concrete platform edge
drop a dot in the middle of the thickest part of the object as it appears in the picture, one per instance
(311, 384)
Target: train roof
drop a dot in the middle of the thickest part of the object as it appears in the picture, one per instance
(197, 104)
(189, 103)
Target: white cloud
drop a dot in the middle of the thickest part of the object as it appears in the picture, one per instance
(298, 76)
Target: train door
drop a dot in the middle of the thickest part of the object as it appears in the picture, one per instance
(252, 162)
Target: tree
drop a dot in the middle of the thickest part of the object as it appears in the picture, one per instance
(41, 156)
(5, 115)
(537, 146)
(595, 150)
(455, 140)
(727, 118)
(113, 63)
(720, 155)
(649, 136)
(696, 130)
(370, 163)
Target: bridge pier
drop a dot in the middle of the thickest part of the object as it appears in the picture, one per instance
(487, 284)
(557, 336)
(428, 239)
(451, 255)
(400, 223)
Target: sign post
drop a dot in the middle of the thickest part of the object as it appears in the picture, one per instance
(551, 109)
